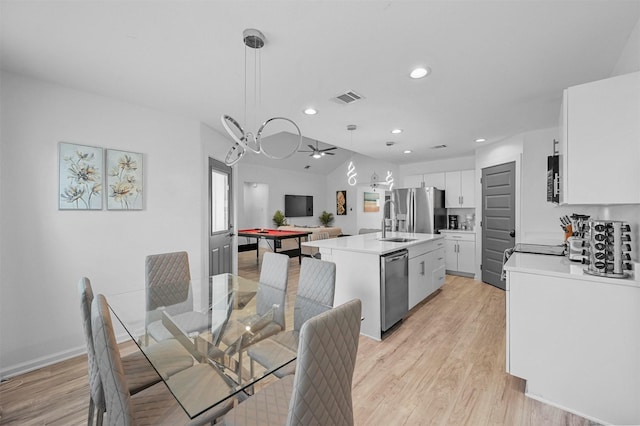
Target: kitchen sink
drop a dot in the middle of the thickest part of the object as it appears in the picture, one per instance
(397, 239)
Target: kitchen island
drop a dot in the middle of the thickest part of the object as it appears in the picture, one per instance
(575, 338)
(358, 271)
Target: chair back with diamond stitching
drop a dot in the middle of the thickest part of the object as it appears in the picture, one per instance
(326, 361)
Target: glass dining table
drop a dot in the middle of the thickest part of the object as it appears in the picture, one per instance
(226, 310)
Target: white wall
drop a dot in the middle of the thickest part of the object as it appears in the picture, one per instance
(356, 218)
(283, 182)
(45, 251)
(629, 60)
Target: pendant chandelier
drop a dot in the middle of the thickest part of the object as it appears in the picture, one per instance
(351, 168)
(255, 40)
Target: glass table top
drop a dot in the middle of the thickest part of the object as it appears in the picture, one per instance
(212, 323)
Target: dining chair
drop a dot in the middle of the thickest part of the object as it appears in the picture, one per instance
(319, 393)
(156, 404)
(316, 236)
(270, 303)
(139, 372)
(316, 288)
(169, 289)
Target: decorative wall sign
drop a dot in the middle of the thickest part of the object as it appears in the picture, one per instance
(341, 203)
(80, 177)
(124, 180)
(371, 202)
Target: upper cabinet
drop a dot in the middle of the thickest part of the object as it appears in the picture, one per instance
(429, 179)
(600, 142)
(460, 189)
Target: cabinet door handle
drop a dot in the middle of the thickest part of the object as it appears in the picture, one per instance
(461, 199)
(422, 265)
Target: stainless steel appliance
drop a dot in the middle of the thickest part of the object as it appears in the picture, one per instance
(394, 288)
(419, 210)
(453, 221)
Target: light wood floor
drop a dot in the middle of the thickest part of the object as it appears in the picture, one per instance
(444, 365)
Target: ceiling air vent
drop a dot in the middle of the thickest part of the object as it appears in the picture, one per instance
(438, 146)
(348, 98)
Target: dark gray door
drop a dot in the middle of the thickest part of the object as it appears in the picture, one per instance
(220, 214)
(498, 219)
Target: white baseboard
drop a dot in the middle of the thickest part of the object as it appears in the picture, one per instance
(569, 410)
(44, 361)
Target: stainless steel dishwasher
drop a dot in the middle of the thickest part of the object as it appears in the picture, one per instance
(394, 287)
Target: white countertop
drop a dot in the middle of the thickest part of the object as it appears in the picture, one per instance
(559, 266)
(370, 243)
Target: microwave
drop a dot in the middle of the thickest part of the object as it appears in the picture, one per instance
(553, 179)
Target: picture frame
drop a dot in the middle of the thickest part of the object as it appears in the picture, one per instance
(124, 170)
(80, 177)
(341, 203)
(371, 202)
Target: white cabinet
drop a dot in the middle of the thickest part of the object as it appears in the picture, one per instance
(599, 142)
(460, 252)
(426, 270)
(575, 341)
(460, 189)
(429, 179)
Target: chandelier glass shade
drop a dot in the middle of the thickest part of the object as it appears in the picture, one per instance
(248, 141)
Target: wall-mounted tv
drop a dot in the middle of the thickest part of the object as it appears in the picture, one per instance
(298, 205)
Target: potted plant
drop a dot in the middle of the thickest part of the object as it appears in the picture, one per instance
(326, 218)
(279, 219)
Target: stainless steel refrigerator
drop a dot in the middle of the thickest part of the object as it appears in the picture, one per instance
(419, 210)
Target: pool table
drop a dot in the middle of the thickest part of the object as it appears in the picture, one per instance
(275, 235)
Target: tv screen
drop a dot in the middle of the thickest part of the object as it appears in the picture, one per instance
(298, 205)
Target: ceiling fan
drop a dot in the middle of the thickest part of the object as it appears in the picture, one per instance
(316, 152)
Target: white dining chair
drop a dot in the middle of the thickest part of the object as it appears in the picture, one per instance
(319, 393)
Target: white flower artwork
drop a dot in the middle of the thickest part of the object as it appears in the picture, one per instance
(79, 177)
(124, 180)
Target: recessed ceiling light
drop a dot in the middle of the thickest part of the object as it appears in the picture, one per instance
(311, 111)
(407, 151)
(396, 131)
(420, 72)
(481, 140)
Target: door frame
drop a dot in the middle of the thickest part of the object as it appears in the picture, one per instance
(495, 155)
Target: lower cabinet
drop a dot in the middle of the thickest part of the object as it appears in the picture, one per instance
(426, 270)
(460, 251)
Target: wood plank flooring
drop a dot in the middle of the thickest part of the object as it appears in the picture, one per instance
(443, 366)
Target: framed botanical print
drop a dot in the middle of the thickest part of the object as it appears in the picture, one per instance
(80, 175)
(124, 180)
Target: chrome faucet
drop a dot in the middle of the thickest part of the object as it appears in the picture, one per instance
(384, 228)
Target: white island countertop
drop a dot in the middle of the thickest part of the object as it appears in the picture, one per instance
(370, 243)
(559, 266)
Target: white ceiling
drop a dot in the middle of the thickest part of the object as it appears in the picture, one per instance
(498, 67)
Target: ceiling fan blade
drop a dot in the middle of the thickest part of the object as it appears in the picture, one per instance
(329, 153)
(313, 148)
(329, 149)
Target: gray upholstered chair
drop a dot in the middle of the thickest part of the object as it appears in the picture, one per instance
(316, 236)
(154, 405)
(270, 300)
(139, 372)
(169, 289)
(316, 288)
(320, 391)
